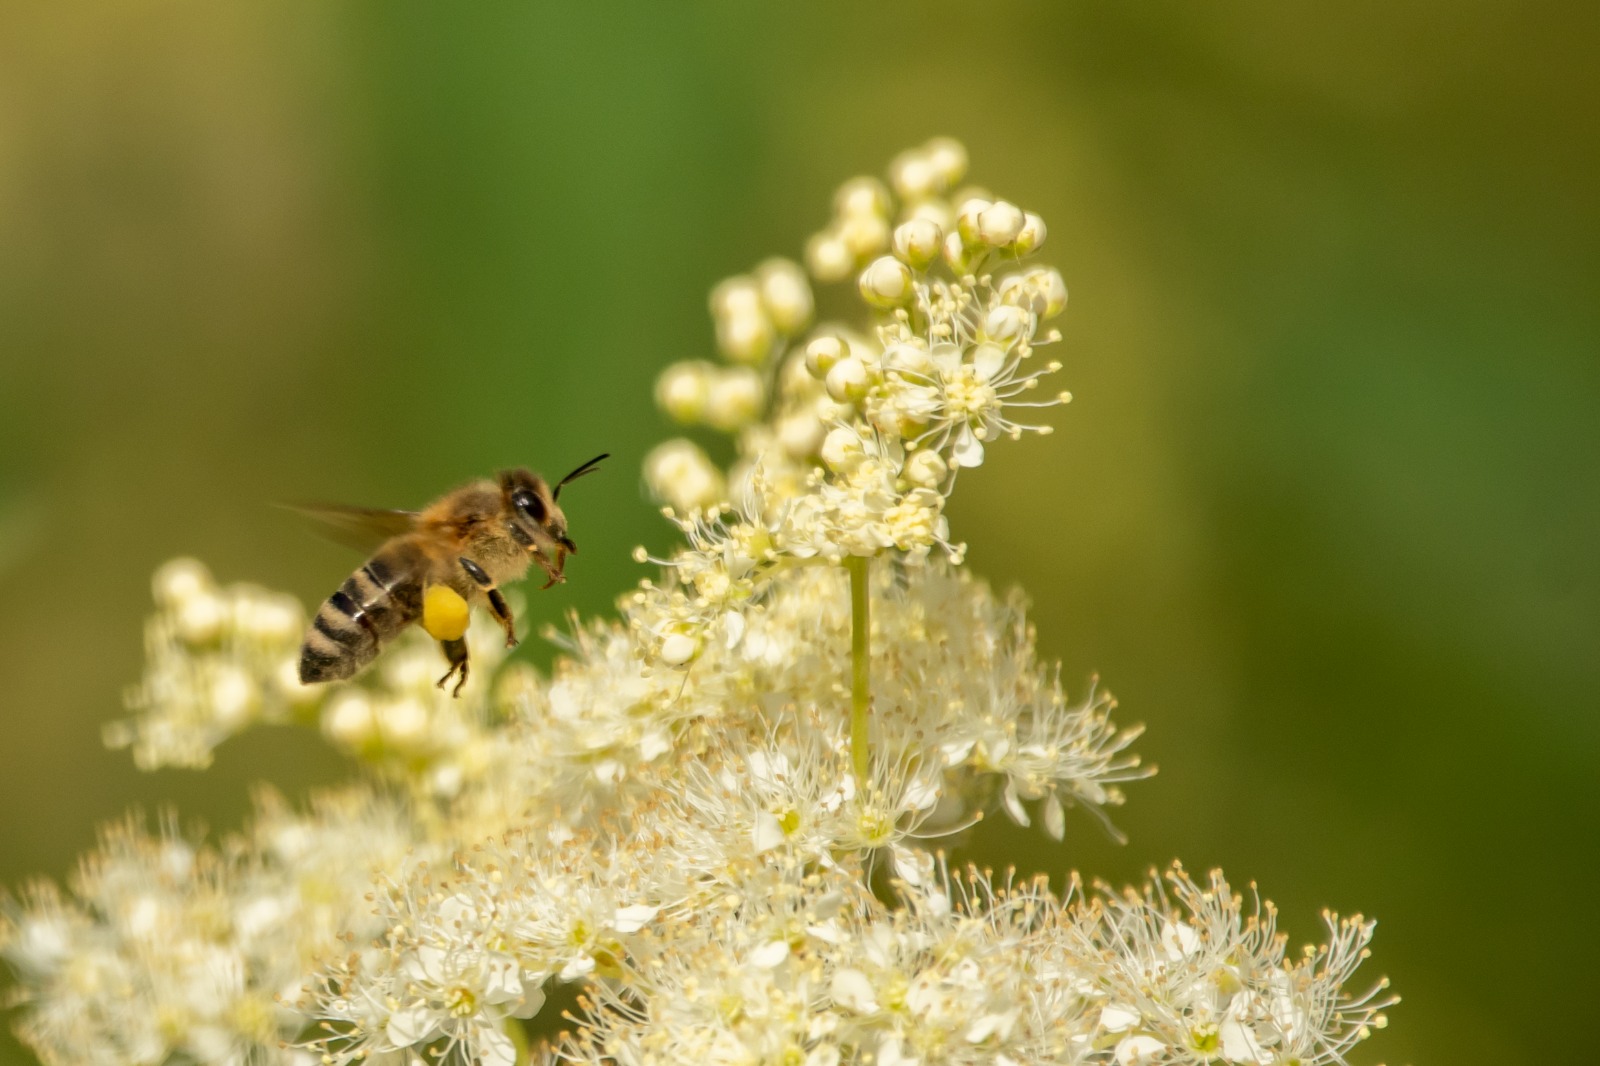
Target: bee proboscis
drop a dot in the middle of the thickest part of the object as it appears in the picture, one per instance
(467, 543)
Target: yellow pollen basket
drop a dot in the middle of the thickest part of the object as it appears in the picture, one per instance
(444, 613)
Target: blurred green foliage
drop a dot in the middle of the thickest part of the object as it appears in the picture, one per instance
(1324, 513)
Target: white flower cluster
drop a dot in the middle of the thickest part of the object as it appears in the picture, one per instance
(165, 951)
(219, 660)
(857, 447)
(714, 815)
(807, 966)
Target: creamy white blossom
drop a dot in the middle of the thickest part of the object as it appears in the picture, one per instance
(717, 814)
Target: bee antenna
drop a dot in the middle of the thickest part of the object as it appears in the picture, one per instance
(586, 468)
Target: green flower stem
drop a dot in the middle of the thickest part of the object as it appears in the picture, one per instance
(860, 698)
(519, 1040)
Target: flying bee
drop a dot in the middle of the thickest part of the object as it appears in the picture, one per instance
(433, 565)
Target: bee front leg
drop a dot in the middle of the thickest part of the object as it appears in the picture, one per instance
(497, 602)
(552, 570)
(455, 651)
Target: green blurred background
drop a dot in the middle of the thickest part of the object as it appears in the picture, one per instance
(1324, 514)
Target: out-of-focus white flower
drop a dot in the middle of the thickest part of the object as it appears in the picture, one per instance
(681, 475)
(216, 663)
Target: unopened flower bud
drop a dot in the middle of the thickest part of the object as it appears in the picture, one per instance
(861, 196)
(914, 175)
(967, 219)
(402, 723)
(683, 389)
(268, 618)
(842, 449)
(848, 380)
(1007, 325)
(678, 648)
(737, 398)
(1049, 283)
(800, 435)
(682, 476)
(179, 580)
(234, 696)
(738, 295)
(1031, 236)
(828, 258)
(348, 720)
(201, 618)
(958, 255)
(917, 242)
(1040, 290)
(939, 212)
(926, 469)
(886, 282)
(864, 235)
(288, 683)
(786, 295)
(913, 359)
(1017, 289)
(823, 352)
(999, 224)
(746, 336)
(948, 158)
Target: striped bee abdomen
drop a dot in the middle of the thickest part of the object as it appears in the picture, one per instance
(372, 606)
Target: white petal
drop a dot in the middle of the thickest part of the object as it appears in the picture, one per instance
(1179, 939)
(410, 1026)
(823, 1055)
(577, 968)
(920, 795)
(1055, 819)
(936, 902)
(654, 744)
(988, 360)
(733, 624)
(1116, 1018)
(1013, 805)
(769, 954)
(957, 751)
(909, 863)
(946, 356)
(458, 910)
(828, 932)
(853, 991)
(531, 1002)
(968, 450)
(767, 833)
(1239, 1043)
(505, 981)
(632, 919)
(1139, 1051)
(428, 964)
(991, 1025)
(492, 1047)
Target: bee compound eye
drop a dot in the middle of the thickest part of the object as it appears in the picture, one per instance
(530, 506)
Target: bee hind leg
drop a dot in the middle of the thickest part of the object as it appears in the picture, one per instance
(456, 652)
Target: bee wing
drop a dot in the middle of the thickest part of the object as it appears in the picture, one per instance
(361, 528)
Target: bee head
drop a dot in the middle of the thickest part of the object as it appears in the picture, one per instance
(534, 517)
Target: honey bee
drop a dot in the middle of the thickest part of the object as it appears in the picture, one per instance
(433, 565)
